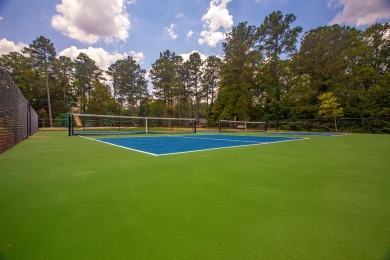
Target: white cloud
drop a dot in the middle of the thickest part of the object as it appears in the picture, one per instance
(9, 46)
(190, 33)
(170, 31)
(1, 18)
(102, 58)
(360, 12)
(88, 22)
(211, 38)
(137, 56)
(186, 56)
(216, 18)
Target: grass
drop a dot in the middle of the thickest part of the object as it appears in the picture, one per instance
(71, 198)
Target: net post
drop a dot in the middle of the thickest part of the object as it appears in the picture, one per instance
(70, 124)
(219, 127)
(194, 126)
(146, 125)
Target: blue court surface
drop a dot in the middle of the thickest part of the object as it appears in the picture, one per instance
(165, 145)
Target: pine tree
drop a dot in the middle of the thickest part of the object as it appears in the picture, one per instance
(210, 81)
(275, 38)
(234, 97)
(86, 73)
(129, 83)
(43, 54)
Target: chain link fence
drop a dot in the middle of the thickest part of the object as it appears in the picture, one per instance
(18, 120)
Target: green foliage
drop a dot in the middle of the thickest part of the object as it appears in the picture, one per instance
(129, 83)
(325, 55)
(86, 74)
(20, 69)
(275, 37)
(156, 108)
(210, 82)
(101, 100)
(165, 79)
(329, 107)
(240, 64)
(64, 77)
(193, 72)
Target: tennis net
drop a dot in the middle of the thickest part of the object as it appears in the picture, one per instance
(241, 126)
(91, 124)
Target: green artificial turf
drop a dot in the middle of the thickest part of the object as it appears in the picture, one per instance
(72, 198)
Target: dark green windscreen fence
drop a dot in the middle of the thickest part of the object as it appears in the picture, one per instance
(18, 120)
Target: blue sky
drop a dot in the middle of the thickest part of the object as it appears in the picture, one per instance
(108, 30)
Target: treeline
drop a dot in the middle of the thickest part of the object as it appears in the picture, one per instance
(337, 71)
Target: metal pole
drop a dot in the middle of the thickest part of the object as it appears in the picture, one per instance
(195, 126)
(70, 124)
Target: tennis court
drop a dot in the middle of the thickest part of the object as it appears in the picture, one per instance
(166, 145)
